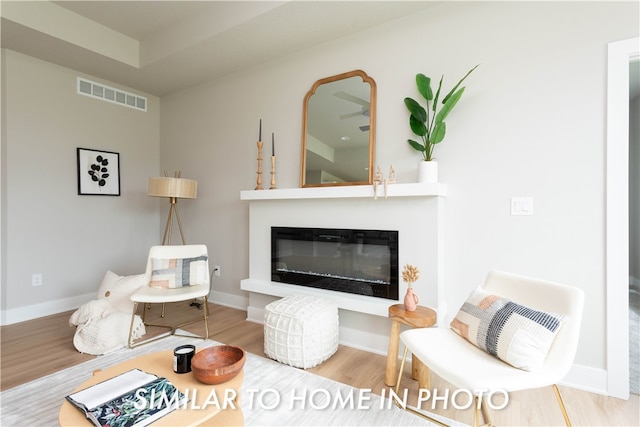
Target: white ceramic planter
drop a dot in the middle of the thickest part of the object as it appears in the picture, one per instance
(428, 171)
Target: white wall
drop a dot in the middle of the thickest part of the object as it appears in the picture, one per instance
(47, 227)
(531, 123)
(634, 191)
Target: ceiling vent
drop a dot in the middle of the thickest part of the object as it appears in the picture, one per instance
(109, 94)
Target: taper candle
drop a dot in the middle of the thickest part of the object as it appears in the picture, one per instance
(273, 145)
(259, 179)
(273, 173)
(260, 131)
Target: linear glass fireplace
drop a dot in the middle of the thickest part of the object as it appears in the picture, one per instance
(363, 262)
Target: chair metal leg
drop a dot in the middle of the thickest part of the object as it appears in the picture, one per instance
(562, 407)
(133, 318)
(171, 329)
(407, 408)
(480, 407)
(205, 311)
(404, 358)
(130, 343)
(485, 413)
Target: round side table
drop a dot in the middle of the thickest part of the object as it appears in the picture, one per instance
(422, 317)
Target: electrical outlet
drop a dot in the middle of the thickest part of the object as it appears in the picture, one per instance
(216, 270)
(36, 279)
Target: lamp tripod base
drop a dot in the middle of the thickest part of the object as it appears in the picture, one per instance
(168, 229)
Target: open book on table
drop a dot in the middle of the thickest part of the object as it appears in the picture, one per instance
(133, 398)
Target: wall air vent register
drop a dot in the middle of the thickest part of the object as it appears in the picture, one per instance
(110, 94)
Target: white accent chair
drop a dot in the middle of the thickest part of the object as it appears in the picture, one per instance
(467, 367)
(149, 294)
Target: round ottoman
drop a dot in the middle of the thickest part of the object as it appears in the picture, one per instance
(301, 331)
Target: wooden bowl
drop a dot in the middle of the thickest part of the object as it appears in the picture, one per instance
(218, 364)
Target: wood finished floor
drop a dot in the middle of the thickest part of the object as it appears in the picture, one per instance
(38, 347)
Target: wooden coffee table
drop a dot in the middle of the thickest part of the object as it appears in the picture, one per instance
(161, 364)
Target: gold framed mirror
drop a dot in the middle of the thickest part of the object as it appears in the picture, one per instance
(338, 131)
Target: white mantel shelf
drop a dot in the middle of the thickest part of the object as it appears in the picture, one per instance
(348, 191)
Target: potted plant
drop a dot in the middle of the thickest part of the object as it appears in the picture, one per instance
(429, 123)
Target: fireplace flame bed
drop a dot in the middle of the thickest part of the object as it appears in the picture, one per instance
(363, 262)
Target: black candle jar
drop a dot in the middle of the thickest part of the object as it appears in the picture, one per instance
(182, 358)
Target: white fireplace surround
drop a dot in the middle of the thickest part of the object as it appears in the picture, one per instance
(414, 210)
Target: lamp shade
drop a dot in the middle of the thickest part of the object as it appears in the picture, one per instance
(173, 187)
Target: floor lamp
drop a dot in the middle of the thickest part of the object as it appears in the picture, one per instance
(173, 188)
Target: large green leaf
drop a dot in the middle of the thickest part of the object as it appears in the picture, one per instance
(424, 86)
(416, 145)
(416, 109)
(446, 98)
(435, 101)
(418, 127)
(438, 132)
(448, 106)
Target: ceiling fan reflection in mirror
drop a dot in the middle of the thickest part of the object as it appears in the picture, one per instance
(365, 110)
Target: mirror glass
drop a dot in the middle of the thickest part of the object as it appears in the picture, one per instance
(338, 131)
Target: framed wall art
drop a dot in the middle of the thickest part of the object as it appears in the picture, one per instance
(98, 172)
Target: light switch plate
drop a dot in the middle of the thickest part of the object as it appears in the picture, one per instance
(36, 279)
(521, 206)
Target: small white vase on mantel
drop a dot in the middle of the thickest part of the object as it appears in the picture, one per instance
(427, 171)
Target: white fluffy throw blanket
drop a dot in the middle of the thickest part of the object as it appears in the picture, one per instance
(101, 329)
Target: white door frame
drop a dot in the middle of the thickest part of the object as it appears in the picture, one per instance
(617, 216)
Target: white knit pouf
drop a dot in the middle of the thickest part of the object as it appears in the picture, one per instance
(301, 331)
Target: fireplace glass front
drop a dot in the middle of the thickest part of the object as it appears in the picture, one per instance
(363, 262)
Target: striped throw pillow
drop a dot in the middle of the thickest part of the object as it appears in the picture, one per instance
(178, 272)
(514, 333)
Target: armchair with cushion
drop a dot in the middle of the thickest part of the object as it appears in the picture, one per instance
(174, 273)
(515, 333)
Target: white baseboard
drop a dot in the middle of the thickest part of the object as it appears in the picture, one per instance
(255, 314)
(229, 300)
(587, 378)
(30, 312)
(367, 341)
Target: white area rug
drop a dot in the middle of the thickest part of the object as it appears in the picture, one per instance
(305, 399)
